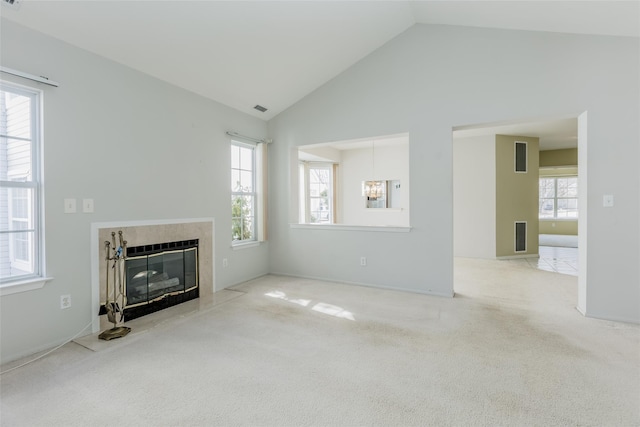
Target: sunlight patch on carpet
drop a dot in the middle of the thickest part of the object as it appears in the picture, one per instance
(321, 307)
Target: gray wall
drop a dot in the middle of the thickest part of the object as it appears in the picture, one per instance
(142, 149)
(474, 197)
(426, 81)
(432, 78)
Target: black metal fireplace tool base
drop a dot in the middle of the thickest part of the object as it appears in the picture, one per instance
(113, 333)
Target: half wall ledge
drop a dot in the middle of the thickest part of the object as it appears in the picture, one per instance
(344, 227)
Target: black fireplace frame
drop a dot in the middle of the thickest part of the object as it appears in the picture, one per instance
(133, 311)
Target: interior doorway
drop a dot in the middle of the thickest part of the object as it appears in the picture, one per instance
(555, 204)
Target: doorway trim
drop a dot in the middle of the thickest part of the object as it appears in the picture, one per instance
(581, 304)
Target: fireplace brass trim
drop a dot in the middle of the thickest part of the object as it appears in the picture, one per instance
(172, 293)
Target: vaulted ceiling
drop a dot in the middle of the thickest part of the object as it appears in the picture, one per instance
(273, 53)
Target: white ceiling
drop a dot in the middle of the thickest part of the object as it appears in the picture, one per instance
(273, 53)
(356, 144)
(554, 134)
(316, 153)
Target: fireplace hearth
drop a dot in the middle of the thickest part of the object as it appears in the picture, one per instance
(145, 236)
(159, 276)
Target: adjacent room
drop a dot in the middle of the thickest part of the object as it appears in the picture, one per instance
(319, 213)
(494, 198)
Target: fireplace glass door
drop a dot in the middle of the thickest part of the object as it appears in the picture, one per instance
(159, 279)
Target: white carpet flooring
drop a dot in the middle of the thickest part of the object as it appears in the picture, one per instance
(509, 349)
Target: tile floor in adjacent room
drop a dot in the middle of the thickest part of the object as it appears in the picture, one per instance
(557, 259)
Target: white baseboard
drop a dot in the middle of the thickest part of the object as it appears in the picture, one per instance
(519, 256)
(367, 285)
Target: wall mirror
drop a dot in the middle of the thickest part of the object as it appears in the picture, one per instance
(383, 194)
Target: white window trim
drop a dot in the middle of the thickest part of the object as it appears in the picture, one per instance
(254, 193)
(555, 198)
(38, 279)
(307, 196)
(26, 285)
(22, 264)
(245, 244)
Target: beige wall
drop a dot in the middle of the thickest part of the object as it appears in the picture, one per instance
(549, 226)
(565, 157)
(559, 171)
(516, 195)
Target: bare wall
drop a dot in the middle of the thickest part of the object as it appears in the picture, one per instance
(432, 78)
(141, 148)
(516, 195)
(391, 163)
(474, 197)
(562, 157)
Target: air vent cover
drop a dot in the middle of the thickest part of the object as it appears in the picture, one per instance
(520, 157)
(521, 236)
(260, 108)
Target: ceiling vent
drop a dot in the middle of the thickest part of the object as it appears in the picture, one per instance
(257, 107)
(13, 4)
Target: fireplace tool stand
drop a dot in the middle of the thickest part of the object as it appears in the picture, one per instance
(112, 307)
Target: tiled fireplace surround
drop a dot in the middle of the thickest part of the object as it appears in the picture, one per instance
(138, 233)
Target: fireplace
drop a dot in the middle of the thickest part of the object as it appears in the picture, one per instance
(147, 234)
(160, 276)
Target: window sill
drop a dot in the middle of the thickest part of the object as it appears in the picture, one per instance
(344, 227)
(24, 285)
(558, 219)
(239, 246)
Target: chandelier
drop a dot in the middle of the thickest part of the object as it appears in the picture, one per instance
(372, 190)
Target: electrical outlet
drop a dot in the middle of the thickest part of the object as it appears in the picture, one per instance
(65, 301)
(363, 261)
(225, 263)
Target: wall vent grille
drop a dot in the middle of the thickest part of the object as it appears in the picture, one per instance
(520, 157)
(520, 236)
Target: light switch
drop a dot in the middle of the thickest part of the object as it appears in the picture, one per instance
(69, 206)
(87, 205)
(607, 200)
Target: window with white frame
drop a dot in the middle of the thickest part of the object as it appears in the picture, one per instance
(243, 192)
(20, 191)
(316, 189)
(558, 197)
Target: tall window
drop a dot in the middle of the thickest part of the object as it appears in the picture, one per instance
(558, 197)
(316, 184)
(243, 192)
(20, 232)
